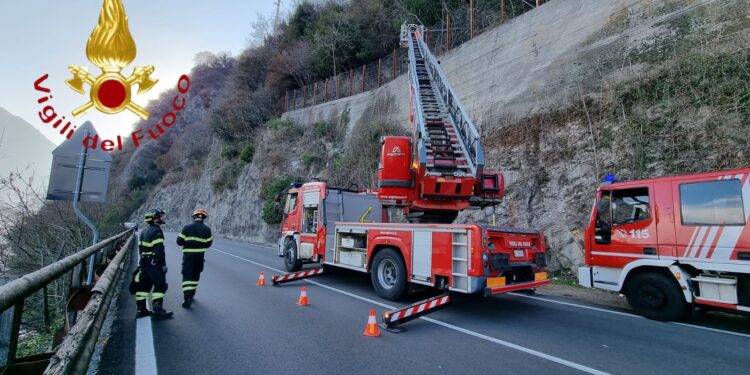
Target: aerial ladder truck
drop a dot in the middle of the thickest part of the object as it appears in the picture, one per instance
(430, 177)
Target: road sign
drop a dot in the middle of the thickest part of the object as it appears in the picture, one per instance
(65, 164)
(80, 174)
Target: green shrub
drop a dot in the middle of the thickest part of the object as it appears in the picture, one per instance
(289, 129)
(247, 153)
(230, 152)
(308, 159)
(273, 211)
(226, 179)
(321, 129)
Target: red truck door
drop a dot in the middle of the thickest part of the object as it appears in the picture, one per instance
(290, 222)
(625, 226)
(711, 217)
(309, 223)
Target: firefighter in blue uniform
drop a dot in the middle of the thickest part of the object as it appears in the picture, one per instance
(194, 238)
(152, 270)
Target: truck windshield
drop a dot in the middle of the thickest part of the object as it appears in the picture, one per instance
(291, 203)
(630, 205)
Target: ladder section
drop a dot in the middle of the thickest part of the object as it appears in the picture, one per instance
(460, 262)
(445, 154)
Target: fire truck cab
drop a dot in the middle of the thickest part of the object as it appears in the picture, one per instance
(672, 243)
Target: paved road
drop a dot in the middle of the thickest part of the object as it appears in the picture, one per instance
(236, 327)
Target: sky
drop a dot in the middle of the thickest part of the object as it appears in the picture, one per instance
(45, 36)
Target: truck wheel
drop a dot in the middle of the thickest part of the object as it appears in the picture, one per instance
(655, 296)
(291, 263)
(388, 275)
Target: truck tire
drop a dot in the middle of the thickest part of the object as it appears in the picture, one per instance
(291, 262)
(656, 296)
(388, 275)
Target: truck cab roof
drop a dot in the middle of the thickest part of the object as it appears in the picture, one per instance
(717, 174)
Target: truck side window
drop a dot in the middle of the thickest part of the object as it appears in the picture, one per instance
(291, 203)
(712, 203)
(603, 229)
(630, 205)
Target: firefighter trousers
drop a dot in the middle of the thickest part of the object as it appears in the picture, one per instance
(192, 266)
(150, 279)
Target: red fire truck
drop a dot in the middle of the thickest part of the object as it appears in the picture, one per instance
(672, 243)
(428, 178)
(346, 229)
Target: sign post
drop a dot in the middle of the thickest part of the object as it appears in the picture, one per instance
(80, 174)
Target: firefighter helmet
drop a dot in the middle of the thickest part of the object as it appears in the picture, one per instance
(154, 214)
(201, 213)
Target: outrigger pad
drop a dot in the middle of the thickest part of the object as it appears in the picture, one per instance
(391, 319)
(281, 279)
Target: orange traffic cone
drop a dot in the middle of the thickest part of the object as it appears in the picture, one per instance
(303, 297)
(261, 280)
(372, 325)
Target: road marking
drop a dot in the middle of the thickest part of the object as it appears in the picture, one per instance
(517, 347)
(631, 315)
(515, 294)
(507, 344)
(145, 355)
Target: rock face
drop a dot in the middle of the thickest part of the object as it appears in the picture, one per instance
(540, 88)
(233, 213)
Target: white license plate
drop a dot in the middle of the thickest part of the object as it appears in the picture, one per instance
(518, 253)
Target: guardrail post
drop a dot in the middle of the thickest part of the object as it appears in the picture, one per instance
(338, 85)
(351, 81)
(448, 31)
(393, 65)
(7, 331)
(13, 325)
(380, 61)
(364, 79)
(315, 90)
(471, 19)
(304, 96)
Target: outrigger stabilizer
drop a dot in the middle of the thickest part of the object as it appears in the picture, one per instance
(281, 279)
(392, 319)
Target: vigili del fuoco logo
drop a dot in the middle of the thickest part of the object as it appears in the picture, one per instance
(111, 48)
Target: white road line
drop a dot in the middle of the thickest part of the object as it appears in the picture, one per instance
(712, 329)
(507, 344)
(512, 293)
(145, 355)
(577, 305)
(632, 315)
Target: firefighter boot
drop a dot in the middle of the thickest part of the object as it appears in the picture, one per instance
(141, 309)
(188, 301)
(159, 312)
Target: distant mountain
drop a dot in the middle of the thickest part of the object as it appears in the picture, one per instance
(24, 148)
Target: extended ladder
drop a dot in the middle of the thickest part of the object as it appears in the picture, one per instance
(448, 141)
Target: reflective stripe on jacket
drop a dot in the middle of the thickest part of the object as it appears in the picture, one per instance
(151, 243)
(195, 238)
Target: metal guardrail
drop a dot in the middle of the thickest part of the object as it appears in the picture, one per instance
(74, 353)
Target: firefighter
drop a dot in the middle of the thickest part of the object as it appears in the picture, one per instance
(152, 268)
(195, 238)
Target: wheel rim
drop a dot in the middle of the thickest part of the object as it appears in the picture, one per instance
(650, 296)
(288, 256)
(387, 274)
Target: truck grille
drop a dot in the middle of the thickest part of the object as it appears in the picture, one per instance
(499, 261)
